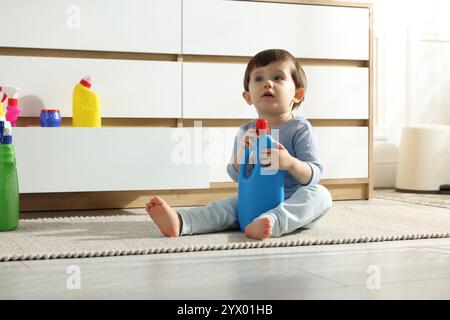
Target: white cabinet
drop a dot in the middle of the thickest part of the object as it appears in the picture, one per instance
(214, 90)
(343, 151)
(217, 150)
(128, 88)
(243, 28)
(196, 73)
(106, 159)
(336, 93)
(119, 25)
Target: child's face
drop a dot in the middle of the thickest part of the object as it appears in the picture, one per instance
(272, 90)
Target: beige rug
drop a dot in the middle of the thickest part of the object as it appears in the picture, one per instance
(436, 200)
(75, 237)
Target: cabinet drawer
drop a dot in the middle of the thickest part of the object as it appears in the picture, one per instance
(242, 28)
(344, 151)
(214, 90)
(218, 151)
(105, 159)
(332, 93)
(128, 88)
(119, 25)
(336, 93)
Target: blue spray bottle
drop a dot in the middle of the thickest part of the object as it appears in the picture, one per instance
(262, 189)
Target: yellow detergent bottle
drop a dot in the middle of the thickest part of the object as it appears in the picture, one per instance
(2, 112)
(86, 107)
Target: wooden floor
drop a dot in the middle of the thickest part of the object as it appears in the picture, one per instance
(416, 269)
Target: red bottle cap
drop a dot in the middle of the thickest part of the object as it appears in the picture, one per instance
(49, 110)
(85, 83)
(12, 102)
(3, 96)
(262, 126)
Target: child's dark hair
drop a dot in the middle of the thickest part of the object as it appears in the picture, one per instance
(266, 57)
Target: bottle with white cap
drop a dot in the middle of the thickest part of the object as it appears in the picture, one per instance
(9, 184)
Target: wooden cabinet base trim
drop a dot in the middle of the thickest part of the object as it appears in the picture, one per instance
(144, 56)
(189, 123)
(137, 199)
(87, 54)
(116, 199)
(108, 122)
(325, 182)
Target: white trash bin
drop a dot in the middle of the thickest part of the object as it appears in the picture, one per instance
(424, 158)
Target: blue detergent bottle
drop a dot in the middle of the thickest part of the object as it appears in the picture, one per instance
(260, 190)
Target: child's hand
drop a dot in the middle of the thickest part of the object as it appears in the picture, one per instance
(248, 139)
(278, 158)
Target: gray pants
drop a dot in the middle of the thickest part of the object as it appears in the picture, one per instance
(302, 210)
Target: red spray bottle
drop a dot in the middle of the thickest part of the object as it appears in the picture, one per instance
(12, 108)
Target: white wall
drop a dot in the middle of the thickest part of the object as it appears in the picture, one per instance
(413, 64)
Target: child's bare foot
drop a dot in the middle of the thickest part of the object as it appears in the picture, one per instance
(164, 216)
(259, 229)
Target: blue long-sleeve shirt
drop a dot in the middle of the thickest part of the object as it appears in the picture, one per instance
(297, 136)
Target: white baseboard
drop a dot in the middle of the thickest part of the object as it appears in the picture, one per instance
(384, 174)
